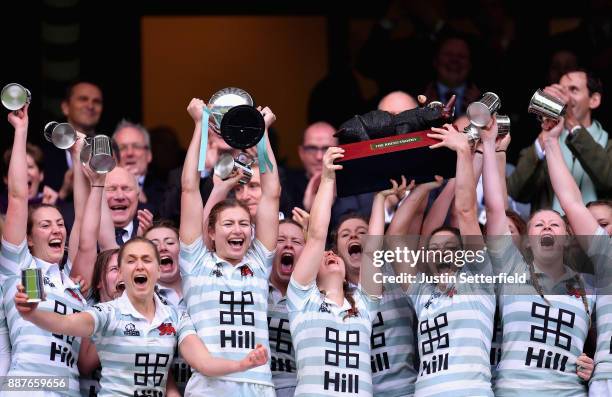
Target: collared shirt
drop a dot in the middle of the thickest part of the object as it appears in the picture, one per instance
(459, 91)
(136, 355)
(228, 304)
(170, 297)
(282, 354)
(331, 344)
(128, 230)
(454, 333)
(541, 338)
(37, 352)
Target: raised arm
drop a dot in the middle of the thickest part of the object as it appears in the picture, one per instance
(497, 224)
(564, 185)
(86, 255)
(307, 266)
(76, 324)
(199, 358)
(80, 193)
(439, 209)
(15, 225)
(266, 218)
(191, 200)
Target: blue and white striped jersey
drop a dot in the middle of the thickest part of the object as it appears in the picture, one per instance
(332, 352)
(454, 333)
(228, 304)
(36, 352)
(541, 338)
(136, 355)
(393, 356)
(282, 354)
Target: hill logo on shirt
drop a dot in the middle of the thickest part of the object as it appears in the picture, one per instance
(130, 330)
(554, 322)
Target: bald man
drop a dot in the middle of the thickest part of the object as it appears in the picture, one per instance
(397, 102)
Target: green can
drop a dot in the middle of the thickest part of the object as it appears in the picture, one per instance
(32, 281)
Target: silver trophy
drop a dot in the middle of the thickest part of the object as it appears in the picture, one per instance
(98, 154)
(546, 106)
(480, 112)
(503, 128)
(15, 96)
(227, 166)
(62, 135)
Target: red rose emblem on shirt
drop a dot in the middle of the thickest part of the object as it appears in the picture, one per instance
(166, 329)
(246, 271)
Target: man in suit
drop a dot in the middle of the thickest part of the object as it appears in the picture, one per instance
(122, 197)
(82, 106)
(586, 147)
(134, 144)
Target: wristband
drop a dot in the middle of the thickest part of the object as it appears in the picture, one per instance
(97, 186)
(478, 151)
(500, 151)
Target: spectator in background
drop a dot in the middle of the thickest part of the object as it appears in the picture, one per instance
(453, 64)
(134, 144)
(122, 198)
(82, 107)
(36, 175)
(397, 102)
(586, 148)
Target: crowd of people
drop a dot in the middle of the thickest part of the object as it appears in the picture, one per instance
(199, 286)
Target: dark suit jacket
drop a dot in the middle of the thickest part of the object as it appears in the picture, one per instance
(530, 182)
(155, 190)
(170, 207)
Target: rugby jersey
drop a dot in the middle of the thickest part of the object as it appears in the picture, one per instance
(541, 341)
(228, 304)
(454, 332)
(5, 343)
(282, 355)
(392, 342)
(332, 352)
(136, 355)
(180, 369)
(37, 352)
(600, 252)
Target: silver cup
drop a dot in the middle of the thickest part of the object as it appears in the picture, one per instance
(223, 100)
(472, 132)
(85, 154)
(480, 112)
(503, 124)
(101, 159)
(503, 128)
(546, 106)
(227, 166)
(15, 96)
(62, 135)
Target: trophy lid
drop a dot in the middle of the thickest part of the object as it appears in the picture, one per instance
(63, 136)
(224, 167)
(14, 96)
(242, 127)
(225, 99)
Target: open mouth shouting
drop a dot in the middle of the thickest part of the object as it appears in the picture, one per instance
(118, 208)
(354, 251)
(286, 263)
(166, 263)
(236, 243)
(547, 240)
(56, 244)
(140, 280)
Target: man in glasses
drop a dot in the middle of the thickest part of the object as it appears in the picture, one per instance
(134, 152)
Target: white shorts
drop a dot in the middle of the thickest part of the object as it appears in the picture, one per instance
(600, 388)
(203, 386)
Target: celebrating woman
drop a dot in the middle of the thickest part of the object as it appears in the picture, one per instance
(36, 237)
(226, 288)
(136, 334)
(546, 359)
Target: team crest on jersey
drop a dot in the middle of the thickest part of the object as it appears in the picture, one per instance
(217, 270)
(47, 281)
(245, 271)
(166, 329)
(130, 330)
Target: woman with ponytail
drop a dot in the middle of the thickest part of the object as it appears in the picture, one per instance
(545, 320)
(330, 322)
